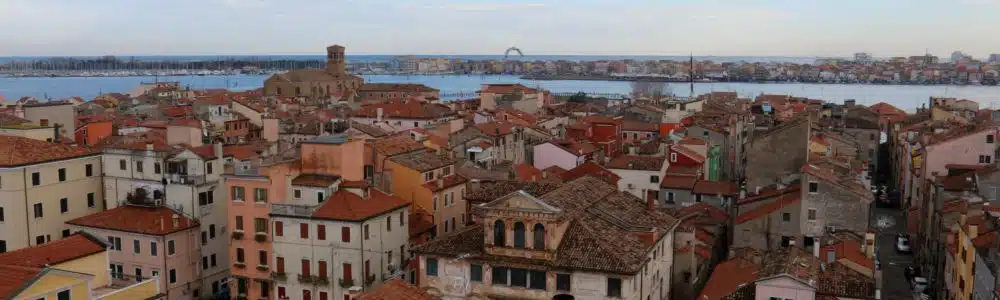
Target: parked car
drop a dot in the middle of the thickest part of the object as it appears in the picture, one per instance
(903, 244)
(919, 284)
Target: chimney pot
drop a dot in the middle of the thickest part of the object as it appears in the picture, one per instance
(176, 220)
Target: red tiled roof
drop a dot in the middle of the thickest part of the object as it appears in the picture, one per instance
(526, 172)
(508, 89)
(9, 119)
(850, 249)
(702, 251)
(986, 240)
(558, 171)
(242, 152)
(631, 125)
(136, 219)
(411, 110)
(18, 151)
(396, 290)
(592, 169)
(75, 246)
(205, 151)
(446, 182)
(683, 170)
(728, 277)
(678, 182)
(689, 153)
(396, 144)
(185, 123)
(496, 129)
(724, 188)
(715, 213)
(770, 193)
(769, 208)
(635, 162)
(687, 140)
(14, 278)
(348, 206)
(574, 147)
(420, 222)
(315, 180)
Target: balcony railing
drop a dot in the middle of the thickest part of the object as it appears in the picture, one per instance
(346, 283)
(306, 278)
(185, 179)
(237, 234)
(241, 265)
(262, 267)
(281, 276)
(260, 236)
(322, 280)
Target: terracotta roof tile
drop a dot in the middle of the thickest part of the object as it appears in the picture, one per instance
(185, 123)
(689, 153)
(14, 278)
(678, 182)
(635, 162)
(136, 219)
(371, 130)
(396, 144)
(19, 151)
(348, 206)
(729, 277)
(9, 119)
(241, 152)
(410, 110)
(577, 148)
(446, 182)
(315, 180)
(682, 170)
(708, 187)
(423, 161)
(526, 172)
(591, 169)
(712, 212)
(496, 129)
(769, 208)
(396, 290)
(850, 249)
(75, 246)
(631, 125)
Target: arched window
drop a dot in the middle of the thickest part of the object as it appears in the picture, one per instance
(539, 237)
(499, 234)
(518, 235)
(298, 91)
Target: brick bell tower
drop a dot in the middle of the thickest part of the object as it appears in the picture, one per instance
(335, 59)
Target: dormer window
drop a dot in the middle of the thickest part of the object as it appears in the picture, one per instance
(499, 234)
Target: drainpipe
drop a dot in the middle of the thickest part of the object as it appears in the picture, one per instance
(27, 213)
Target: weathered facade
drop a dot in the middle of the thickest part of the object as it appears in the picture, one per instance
(333, 81)
(778, 153)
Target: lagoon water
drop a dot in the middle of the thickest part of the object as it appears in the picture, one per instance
(908, 97)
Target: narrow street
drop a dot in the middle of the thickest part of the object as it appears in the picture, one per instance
(894, 284)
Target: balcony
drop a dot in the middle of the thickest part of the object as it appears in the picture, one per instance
(241, 265)
(346, 283)
(260, 236)
(262, 267)
(237, 234)
(306, 278)
(185, 179)
(370, 279)
(322, 280)
(279, 276)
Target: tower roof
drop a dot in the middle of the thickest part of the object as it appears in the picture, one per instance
(335, 47)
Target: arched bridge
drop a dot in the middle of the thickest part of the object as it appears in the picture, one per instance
(506, 54)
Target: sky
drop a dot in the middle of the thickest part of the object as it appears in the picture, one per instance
(811, 28)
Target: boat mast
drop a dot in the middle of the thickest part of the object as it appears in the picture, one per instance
(691, 74)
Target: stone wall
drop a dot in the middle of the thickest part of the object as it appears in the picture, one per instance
(835, 206)
(777, 153)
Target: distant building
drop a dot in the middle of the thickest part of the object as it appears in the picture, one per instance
(316, 83)
(863, 58)
(994, 58)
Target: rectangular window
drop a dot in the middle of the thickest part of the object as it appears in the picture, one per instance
(238, 193)
(212, 258)
(63, 205)
(138, 166)
(654, 179)
(1, 214)
(786, 217)
(298, 194)
(240, 256)
(320, 197)
(401, 216)
(65, 233)
(260, 225)
(476, 273)
(152, 248)
(348, 275)
(537, 280)
(260, 195)
(563, 282)
(499, 276)
(812, 214)
(428, 176)
(239, 223)
(322, 269)
(91, 201)
(64, 295)
(305, 267)
(208, 168)
(614, 287)
(345, 234)
(279, 228)
(204, 262)
(388, 224)
(36, 179)
(171, 249)
(88, 170)
(211, 231)
(262, 257)
(156, 168)
(518, 277)
(122, 164)
(38, 210)
(989, 139)
(813, 187)
(366, 232)
(321, 232)
(279, 264)
(62, 174)
(432, 267)
(136, 247)
(304, 230)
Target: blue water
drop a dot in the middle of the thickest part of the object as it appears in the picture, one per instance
(903, 96)
(386, 58)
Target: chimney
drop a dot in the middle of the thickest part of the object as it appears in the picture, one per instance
(817, 243)
(378, 114)
(176, 221)
(650, 204)
(217, 149)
